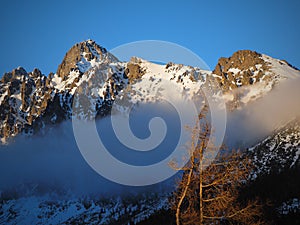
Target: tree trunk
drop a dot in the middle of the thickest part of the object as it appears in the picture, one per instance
(201, 189)
(182, 197)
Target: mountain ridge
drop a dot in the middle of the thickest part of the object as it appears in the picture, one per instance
(32, 100)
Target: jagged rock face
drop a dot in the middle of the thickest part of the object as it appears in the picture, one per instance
(244, 67)
(81, 56)
(29, 102)
(95, 94)
(24, 97)
(134, 71)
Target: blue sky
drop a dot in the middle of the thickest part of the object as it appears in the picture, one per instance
(38, 33)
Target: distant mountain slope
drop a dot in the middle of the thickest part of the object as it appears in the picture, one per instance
(279, 151)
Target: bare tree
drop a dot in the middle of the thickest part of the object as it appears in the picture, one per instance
(208, 192)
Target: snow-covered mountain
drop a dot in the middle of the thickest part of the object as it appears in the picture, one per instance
(31, 103)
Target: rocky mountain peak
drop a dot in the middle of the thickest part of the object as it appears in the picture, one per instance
(244, 67)
(247, 75)
(81, 57)
(242, 59)
(15, 74)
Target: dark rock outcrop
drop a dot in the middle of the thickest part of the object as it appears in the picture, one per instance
(79, 56)
(244, 67)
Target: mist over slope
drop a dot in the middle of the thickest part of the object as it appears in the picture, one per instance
(53, 161)
(258, 119)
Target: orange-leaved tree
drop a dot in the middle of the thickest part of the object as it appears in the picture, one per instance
(208, 191)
